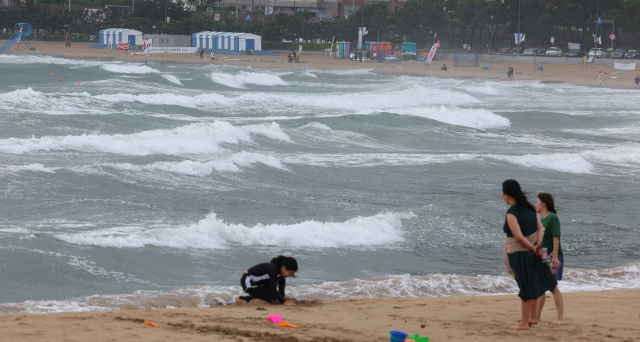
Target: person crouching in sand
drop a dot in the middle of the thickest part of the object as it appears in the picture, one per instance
(522, 249)
(551, 241)
(260, 281)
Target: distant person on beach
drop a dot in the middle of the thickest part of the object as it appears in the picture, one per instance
(464, 47)
(267, 281)
(290, 56)
(637, 80)
(522, 249)
(510, 74)
(600, 79)
(201, 53)
(367, 54)
(213, 55)
(352, 56)
(444, 68)
(551, 241)
(361, 54)
(68, 43)
(295, 56)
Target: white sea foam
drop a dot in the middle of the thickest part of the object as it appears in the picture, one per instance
(169, 99)
(454, 115)
(486, 89)
(431, 285)
(203, 168)
(30, 167)
(214, 233)
(372, 159)
(581, 162)
(563, 162)
(172, 79)
(348, 72)
(197, 138)
(625, 154)
(128, 68)
(242, 78)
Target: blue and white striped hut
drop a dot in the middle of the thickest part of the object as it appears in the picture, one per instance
(116, 35)
(226, 41)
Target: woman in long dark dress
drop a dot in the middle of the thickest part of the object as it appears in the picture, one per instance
(522, 249)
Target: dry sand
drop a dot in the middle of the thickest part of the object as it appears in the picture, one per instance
(552, 73)
(590, 316)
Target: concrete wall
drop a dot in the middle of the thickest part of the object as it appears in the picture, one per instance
(165, 40)
(540, 60)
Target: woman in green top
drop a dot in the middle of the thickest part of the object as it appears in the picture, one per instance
(551, 241)
(522, 252)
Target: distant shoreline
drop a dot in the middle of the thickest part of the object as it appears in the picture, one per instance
(573, 74)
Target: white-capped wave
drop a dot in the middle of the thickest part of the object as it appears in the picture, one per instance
(193, 139)
(454, 115)
(348, 72)
(129, 68)
(241, 78)
(563, 162)
(169, 99)
(203, 168)
(172, 79)
(372, 159)
(213, 233)
(431, 285)
(625, 154)
(30, 167)
(580, 162)
(487, 89)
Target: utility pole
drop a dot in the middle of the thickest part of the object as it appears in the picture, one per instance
(519, 26)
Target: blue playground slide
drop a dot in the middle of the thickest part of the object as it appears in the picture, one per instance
(22, 31)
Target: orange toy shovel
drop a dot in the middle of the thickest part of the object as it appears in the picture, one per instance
(151, 324)
(287, 325)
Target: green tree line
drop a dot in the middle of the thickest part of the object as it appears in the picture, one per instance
(453, 22)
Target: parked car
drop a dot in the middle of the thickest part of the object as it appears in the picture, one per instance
(618, 53)
(632, 54)
(540, 51)
(529, 51)
(554, 51)
(517, 50)
(505, 50)
(574, 53)
(599, 52)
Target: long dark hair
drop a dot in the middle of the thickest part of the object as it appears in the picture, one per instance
(288, 262)
(512, 188)
(548, 200)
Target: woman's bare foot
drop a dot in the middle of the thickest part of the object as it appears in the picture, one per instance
(236, 298)
(557, 322)
(533, 321)
(519, 327)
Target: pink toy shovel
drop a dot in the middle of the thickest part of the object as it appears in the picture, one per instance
(275, 318)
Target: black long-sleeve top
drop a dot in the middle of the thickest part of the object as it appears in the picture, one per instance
(266, 274)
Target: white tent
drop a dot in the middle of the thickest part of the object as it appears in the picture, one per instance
(115, 36)
(226, 41)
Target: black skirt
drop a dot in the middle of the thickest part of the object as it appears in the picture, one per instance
(533, 276)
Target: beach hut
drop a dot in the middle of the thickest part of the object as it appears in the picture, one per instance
(236, 41)
(114, 36)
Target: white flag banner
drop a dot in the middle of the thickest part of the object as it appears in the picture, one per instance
(624, 66)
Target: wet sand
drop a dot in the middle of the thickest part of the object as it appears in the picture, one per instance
(590, 316)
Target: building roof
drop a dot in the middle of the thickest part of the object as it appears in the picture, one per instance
(118, 30)
(225, 34)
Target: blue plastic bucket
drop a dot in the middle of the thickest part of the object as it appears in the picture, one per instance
(398, 336)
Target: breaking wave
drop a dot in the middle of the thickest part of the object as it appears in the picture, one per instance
(213, 233)
(242, 78)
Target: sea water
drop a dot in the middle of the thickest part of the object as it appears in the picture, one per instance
(154, 186)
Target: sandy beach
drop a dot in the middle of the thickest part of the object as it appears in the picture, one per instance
(552, 73)
(590, 316)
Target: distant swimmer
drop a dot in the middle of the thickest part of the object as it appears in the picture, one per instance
(260, 281)
(444, 68)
